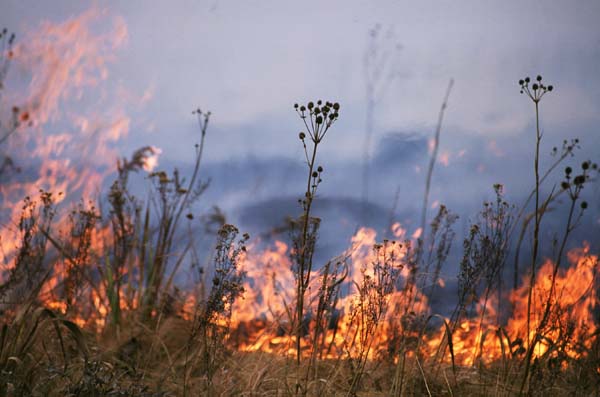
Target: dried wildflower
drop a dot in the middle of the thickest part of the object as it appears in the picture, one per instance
(317, 121)
(536, 91)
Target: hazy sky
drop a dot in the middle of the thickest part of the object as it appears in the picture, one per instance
(249, 61)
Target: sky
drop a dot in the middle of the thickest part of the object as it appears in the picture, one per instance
(142, 67)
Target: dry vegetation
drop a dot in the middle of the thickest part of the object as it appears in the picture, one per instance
(90, 306)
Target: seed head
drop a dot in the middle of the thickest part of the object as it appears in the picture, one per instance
(302, 135)
(564, 185)
(585, 165)
(319, 120)
(315, 174)
(568, 170)
(584, 205)
(319, 169)
(336, 106)
(311, 105)
(535, 87)
(527, 79)
(539, 78)
(550, 88)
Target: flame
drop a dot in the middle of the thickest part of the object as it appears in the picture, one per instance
(262, 320)
(570, 319)
(62, 66)
(151, 161)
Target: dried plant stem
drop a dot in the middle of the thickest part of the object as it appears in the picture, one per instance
(432, 160)
(536, 230)
(535, 93)
(304, 268)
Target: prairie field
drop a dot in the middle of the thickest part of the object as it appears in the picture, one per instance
(126, 270)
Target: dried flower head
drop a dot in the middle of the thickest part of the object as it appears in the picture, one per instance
(537, 90)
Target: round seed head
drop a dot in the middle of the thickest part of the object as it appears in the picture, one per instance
(539, 78)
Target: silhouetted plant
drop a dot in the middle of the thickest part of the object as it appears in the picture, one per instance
(318, 119)
(213, 315)
(326, 315)
(567, 150)
(440, 240)
(535, 92)
(172, 196)
(6, 55)
(29, 268)
(370, 304)
(549, 320)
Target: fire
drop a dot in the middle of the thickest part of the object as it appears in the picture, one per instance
(573, 302)
(62, 66)
(261, 318)
(367, 317)
(571, 317)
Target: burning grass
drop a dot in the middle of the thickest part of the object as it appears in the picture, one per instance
(91, 304)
